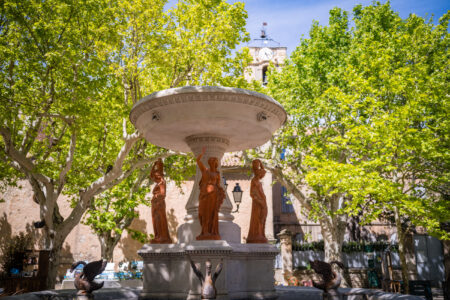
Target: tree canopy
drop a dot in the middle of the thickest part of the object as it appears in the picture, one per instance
(367, 100)
(70, 72)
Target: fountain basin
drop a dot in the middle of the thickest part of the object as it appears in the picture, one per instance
(242, 119)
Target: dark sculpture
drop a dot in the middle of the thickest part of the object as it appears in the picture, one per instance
(159, 219)
(84, 282)
(330, 279)
(256, 232)
(208, 288)
(210, 199)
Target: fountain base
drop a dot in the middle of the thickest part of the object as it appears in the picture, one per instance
(229, 231)
(247, 272)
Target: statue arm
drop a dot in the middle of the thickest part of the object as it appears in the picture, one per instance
(218, 270)
(196, 271)
(262, 196)
(154, 168)
(200, 165)
(162, 188)
(255, 193)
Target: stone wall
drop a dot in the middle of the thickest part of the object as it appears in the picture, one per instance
(18, 213)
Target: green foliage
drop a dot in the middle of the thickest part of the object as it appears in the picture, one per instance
(116, 205)
(139, 235)
(179, 168)
(347, 247)
(191, 43)
(70, 71)
(368, 127)
(312, 246)
(52, 78)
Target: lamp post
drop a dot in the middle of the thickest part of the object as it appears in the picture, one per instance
(237, 196)
(224, 181)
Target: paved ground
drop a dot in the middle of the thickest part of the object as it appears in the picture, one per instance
(285, 293)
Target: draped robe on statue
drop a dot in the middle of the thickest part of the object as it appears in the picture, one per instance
(256, 233)
(210, 199)
(159, 219)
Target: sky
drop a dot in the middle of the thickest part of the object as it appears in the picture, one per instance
(288, 20)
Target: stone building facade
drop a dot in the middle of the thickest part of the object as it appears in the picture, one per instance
(18, 212)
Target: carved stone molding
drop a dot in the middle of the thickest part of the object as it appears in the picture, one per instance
(160, 255)
(151, 102)
(209, 252)
(193, 140)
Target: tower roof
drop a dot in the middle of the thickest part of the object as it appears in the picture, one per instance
(264, 39)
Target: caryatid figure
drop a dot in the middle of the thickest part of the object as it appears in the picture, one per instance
(210, 199)
(256, 232)
(208, 281)
(159, 218)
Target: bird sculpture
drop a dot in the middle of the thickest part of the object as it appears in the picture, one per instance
(330, 279)
(84, 281)
(208, 281)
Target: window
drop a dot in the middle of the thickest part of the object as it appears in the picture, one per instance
(264, 75)
(286, 205)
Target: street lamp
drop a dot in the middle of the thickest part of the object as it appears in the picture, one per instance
(237, 196)
(224, 181)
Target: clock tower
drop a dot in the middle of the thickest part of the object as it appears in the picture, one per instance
(264, 51)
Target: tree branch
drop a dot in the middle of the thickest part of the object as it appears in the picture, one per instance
(136, 165)
(291, 187)
(69, 159)
(99, 185)
(18, 157)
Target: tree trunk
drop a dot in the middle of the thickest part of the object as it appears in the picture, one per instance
(53, 246)
(107, 245)
(401, 250)
(333, 231)
(54, 235)
(53, 265)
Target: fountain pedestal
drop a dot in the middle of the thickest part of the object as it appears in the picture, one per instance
(231, 232)
(219, 119)
(247, 270)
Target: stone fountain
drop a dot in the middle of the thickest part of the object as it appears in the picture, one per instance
(220, 120)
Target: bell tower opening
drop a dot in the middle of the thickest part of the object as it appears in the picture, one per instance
(264, 75)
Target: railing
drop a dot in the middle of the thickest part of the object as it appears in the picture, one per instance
(12, 285)
(357, 260)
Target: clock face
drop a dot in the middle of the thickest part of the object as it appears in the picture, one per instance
(265, 54)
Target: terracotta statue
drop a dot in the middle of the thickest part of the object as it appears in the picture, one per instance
(210, 199)
(84, 282)
(159, 218)
(259, 206)
(208, 288)
(330, 279)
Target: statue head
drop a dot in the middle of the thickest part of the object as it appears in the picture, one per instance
(157, 172)
(258, 168)
(213, 163)
(157, 176)
(208, 267)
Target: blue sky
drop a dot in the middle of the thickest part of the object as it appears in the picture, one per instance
(289, 19)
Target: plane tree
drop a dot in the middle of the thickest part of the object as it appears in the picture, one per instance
(367, 127)
(70, 72)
